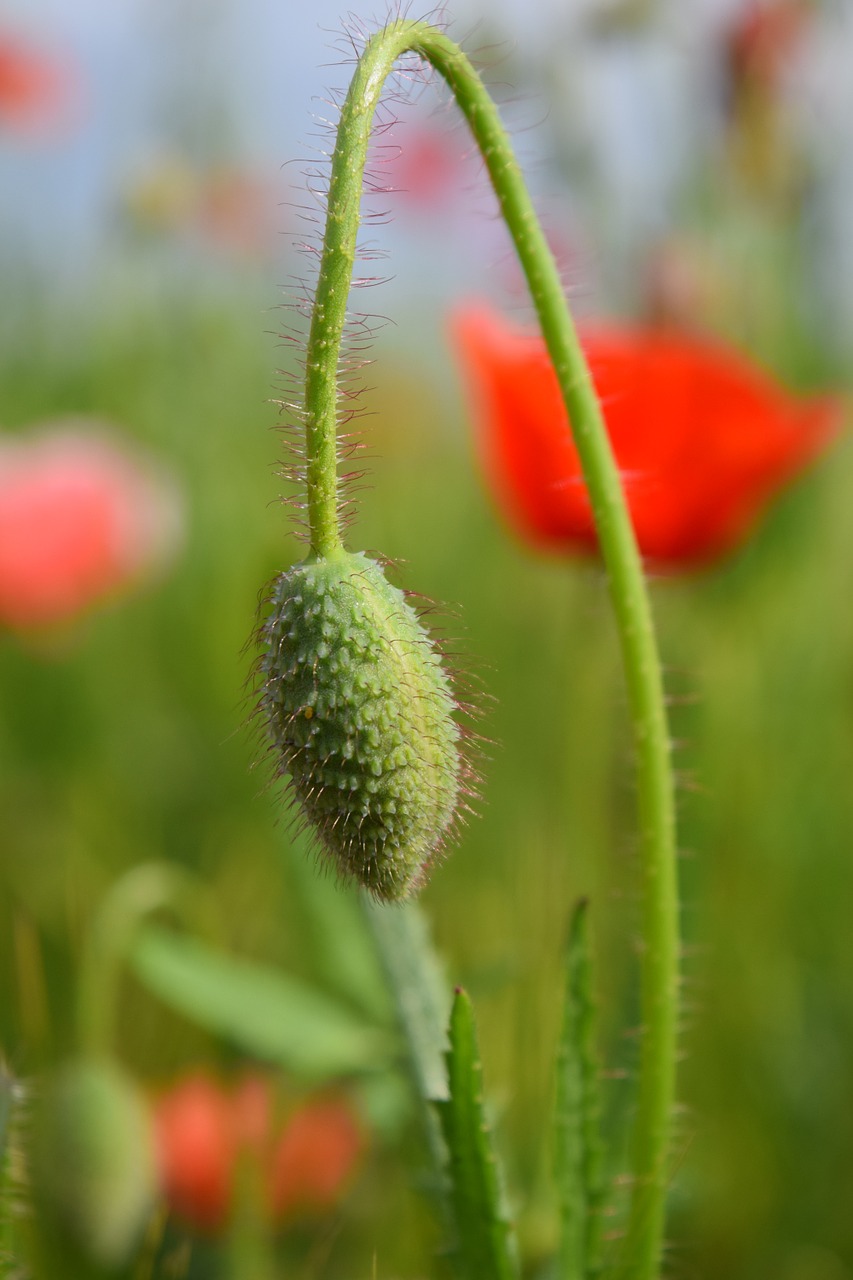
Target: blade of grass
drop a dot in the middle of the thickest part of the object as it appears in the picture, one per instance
(579, 1156)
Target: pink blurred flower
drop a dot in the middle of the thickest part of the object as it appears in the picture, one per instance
(428, 167)
(80, 520)
(36, 88)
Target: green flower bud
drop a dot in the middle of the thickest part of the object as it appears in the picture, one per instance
(93, 1167)
(361, 712)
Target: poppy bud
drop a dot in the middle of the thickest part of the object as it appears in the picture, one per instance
(93, 1170)
(361, 712)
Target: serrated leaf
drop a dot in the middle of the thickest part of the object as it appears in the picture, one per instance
(578, 1156)
(267, 1013)
(485, 1244)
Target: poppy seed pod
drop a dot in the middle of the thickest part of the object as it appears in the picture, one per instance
(361, 712)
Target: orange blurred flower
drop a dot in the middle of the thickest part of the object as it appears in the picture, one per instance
(703, 439)
(205, 1130)
(36, 88)
(80, 519)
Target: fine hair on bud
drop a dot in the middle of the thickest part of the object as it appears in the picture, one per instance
(361, 715)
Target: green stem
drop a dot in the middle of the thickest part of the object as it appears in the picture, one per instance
(148, 888)
(640, 1254)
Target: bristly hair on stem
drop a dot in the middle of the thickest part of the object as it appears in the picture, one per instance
(361, 710)
(408, 80)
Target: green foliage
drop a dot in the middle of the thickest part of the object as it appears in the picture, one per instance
(484, 1242)
(120, 742)
(420, 993)
(362, 713)
(265, 1013)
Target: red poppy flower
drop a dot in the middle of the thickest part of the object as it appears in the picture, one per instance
(196, 1146)
(79, 520)
(315, 1157)
(205, 1130)
(702, 438)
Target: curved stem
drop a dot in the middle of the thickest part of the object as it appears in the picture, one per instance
(145, 889)
(640, 1255)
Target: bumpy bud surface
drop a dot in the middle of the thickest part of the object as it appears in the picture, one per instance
(362, 714)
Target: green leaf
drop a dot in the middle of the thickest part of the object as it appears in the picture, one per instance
(416, 982)
(414, 975)
(485, 1244)
(268, 1014)
(579, 1156)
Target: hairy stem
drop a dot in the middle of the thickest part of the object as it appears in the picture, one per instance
(640, 1254)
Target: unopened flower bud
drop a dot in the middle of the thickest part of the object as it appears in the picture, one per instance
(93, 1169)
(361, 712)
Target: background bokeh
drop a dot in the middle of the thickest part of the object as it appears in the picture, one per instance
(150, 223)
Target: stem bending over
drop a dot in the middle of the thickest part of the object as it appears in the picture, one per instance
(639, 1256)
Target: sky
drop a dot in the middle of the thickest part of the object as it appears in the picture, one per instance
(246, 82)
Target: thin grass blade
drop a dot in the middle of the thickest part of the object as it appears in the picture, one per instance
(579, 1152)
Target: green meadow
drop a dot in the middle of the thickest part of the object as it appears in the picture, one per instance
(127, 737)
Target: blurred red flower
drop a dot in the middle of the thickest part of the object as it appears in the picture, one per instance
(35, 87)
(762, 40)
(702, 438)
(196, 1143)
(80, 519)
(314, 1157)
(428, 166)
(205, 1130)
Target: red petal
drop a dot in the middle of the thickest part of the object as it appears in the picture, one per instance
(702, 438)
(197, 1149)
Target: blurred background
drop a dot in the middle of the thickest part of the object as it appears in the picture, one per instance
(693, 164)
